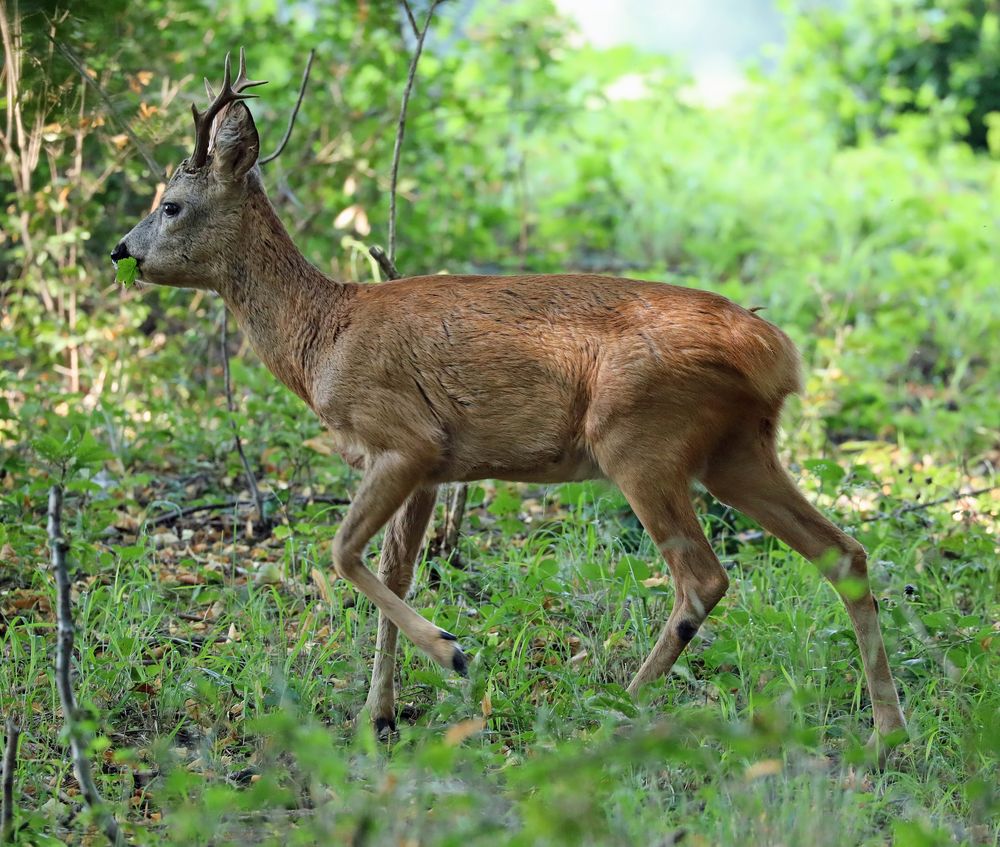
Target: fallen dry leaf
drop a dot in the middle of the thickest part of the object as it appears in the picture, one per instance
(187, 578)
(164, 539)
(21, 599)
(463, 729)
(765, 767)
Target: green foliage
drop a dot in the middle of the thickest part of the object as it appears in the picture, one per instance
(227, 671)
(872, 66)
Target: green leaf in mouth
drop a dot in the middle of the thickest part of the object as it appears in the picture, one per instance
(125, 272)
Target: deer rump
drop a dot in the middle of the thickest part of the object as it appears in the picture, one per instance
(518, 377)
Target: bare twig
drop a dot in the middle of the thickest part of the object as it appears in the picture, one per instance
(79, 67)
(443, 543)
(401, 127)
(412, 19)
(384, 262)
(917, 507)
(295, 111)
(176, 514)
(64, 657)
(454, 516)
(231, 405)
(9, 766)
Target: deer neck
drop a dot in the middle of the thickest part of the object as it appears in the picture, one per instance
(289, 310)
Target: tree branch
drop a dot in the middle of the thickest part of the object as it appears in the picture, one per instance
(231, 405)
(412, 19)
(401, 126)
(9, 766)
(384, 262)
(79, 67)
(64, 658)
(295, 112)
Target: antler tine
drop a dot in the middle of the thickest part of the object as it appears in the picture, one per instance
(230, 93)
(242, 81)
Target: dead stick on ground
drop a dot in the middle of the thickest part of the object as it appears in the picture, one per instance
(231, 405)
(64, 658)
(235, 502)
(9, 766)
(917, 507)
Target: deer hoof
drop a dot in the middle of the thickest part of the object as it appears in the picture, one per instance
(385, 728)
(459, 662)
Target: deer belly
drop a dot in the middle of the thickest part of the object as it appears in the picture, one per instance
(570, 466)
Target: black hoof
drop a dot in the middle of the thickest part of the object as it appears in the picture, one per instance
(385, 728)
(459, 662)
(447, 636)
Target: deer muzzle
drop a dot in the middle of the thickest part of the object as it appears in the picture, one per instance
(120, 252)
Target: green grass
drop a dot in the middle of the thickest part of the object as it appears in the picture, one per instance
(755, 738)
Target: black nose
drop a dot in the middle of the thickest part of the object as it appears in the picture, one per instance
(120, 252)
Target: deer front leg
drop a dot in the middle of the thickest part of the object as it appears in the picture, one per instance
(401, 546)
(391, 478)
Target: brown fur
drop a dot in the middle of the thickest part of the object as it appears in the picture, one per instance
(537, 378)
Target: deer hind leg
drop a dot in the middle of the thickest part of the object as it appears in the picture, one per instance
(747, 475)
(390, 479)
(699, 580)
(403, 537)
(660, 498)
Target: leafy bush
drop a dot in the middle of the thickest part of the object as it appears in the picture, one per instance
(870, 66)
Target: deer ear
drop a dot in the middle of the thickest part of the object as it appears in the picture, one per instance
(236, 144)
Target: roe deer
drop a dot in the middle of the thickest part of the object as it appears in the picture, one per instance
(438, 379)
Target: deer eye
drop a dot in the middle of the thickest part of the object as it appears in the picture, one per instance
(171, 209)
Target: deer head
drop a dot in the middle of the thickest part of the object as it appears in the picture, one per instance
(191, 237)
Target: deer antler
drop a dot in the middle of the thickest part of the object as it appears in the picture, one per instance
(203, 121)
